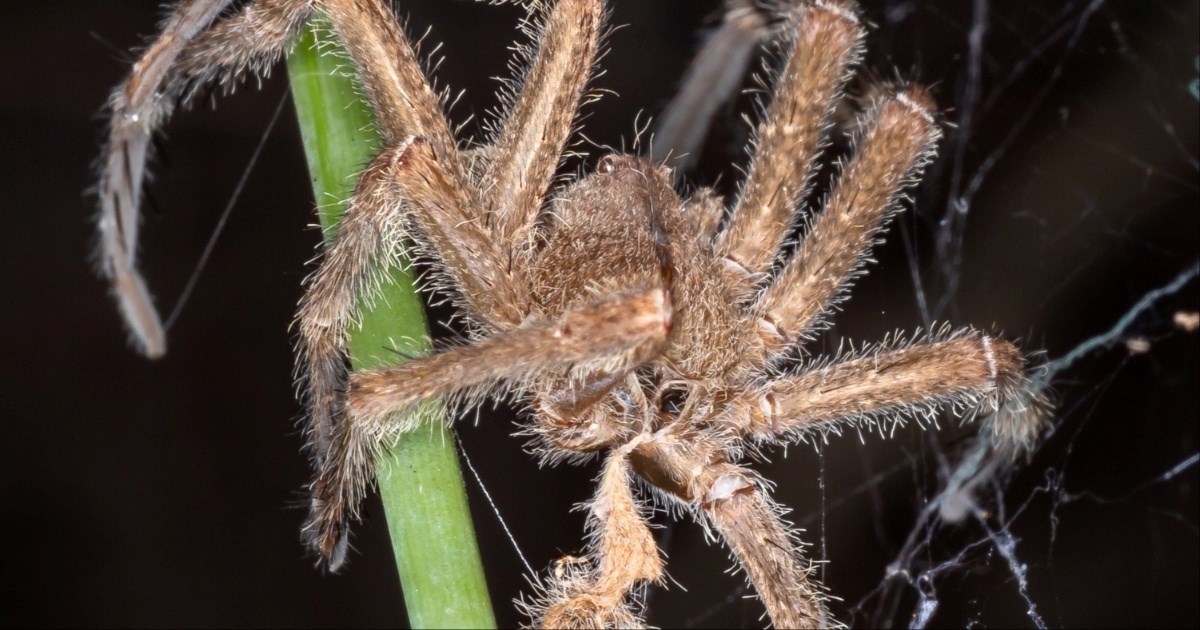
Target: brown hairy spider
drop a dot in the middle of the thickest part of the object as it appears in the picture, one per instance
(630, 322)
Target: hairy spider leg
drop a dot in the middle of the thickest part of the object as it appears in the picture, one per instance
(824, 48)
(196, 46)
(711, 80)
(365, 246)
(428, 189)
(691, 468)
(525, 151)
(900, 138)
(966, 369)
(609, 332)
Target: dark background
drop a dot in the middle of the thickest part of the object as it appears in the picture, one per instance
(166, 493)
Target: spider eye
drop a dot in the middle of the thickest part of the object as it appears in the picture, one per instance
(672, 400)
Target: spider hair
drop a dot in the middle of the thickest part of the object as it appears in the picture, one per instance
(631, 323)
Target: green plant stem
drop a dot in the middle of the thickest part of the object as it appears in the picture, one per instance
(419, 479)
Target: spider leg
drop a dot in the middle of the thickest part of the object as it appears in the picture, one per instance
(891, 154)
(752, 527)
(388, 70)
(603, 335)
(136, 110)
(419, 179)
(525, 152)
(692, 468)
(367, 243)
(193, 48)
(966, 368)
(404, 184)
(712, 79)
(436, 186)
(704, 210)
(827, 42)
(447, 232)
(250, 40)
(595, 592)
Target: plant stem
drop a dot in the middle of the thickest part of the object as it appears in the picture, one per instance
(419, 479)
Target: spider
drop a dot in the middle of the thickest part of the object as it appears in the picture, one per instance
(655, 330)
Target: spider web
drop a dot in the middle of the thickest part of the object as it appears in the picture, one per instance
(1045, 99)
(1061, 211)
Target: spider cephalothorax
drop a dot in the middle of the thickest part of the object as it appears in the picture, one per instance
(632, 322)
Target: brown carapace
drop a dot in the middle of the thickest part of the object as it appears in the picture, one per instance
(650, 329)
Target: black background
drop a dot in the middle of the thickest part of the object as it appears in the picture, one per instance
(166, 493)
